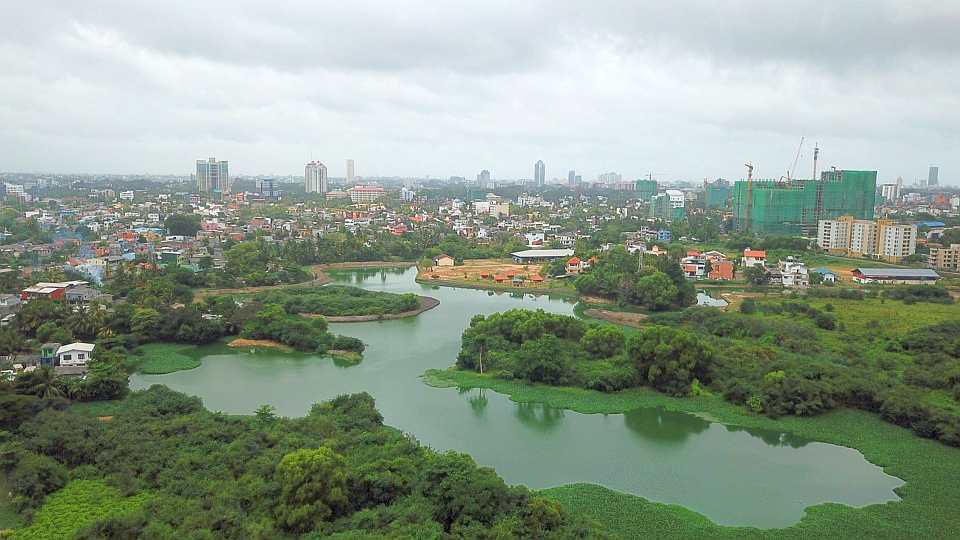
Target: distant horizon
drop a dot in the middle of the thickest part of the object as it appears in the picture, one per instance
(418, 89)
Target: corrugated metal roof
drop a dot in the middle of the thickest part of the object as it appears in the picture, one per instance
(898, 272)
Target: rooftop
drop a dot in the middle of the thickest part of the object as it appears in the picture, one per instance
(897, 272)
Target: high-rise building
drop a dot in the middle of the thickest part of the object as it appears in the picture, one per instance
(212, 176)
(933, 176)
(484, 178)
(609, 178)
(890, 192)
(539, 174)
(315, 178)
(351, 176)
(646, 189)
(794, 208)
(268, 187)
(571, 177)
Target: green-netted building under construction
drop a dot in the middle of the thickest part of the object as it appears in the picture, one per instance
(793, 208)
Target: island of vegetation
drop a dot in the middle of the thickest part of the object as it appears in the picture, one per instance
(162, 466)
(343, 303)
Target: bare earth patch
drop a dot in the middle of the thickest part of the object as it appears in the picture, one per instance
(469, 273)
(244, 342)
(617, 317)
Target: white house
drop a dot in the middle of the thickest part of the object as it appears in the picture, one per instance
(75, 354)
(754, 257)
(795, 273)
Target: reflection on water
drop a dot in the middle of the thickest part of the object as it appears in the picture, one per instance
(479, 402)
(539, 416)
(732, 475)
(773, 438)
(663, 426)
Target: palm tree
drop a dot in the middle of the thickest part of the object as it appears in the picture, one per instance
(47, 384)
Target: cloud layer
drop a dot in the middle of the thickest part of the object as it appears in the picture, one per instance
(691, 90)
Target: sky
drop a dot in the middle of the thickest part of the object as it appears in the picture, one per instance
(680, 90)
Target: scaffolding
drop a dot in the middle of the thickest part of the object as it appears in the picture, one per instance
(794, 208)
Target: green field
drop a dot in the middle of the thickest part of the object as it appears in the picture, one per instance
(163, 358)
(931, 470)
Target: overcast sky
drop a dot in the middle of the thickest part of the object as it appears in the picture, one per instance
(687, 90)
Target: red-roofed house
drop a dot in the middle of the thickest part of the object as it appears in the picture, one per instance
(754, 257)
(574, 265)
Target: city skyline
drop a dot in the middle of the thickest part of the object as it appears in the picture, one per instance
(684, 92)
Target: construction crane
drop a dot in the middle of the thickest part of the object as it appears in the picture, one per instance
(651, 175)
(795, 160)
(746, 221)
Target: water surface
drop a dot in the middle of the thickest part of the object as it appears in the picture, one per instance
(732, 475)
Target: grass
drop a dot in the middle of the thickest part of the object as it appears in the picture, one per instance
(931, 470)
(891, 315)
(163, 358)
(80, 504)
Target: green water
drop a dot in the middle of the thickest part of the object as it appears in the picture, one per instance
(731, 475)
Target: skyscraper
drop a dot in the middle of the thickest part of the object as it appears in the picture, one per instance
(351, 177)
(212, 176)
(484, 178)
(932, 176)
(571, 177)
(315, 178)
(539, 174)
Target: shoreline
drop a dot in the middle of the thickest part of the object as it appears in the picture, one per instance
(892, 448)
(426, 303)
(496, 288)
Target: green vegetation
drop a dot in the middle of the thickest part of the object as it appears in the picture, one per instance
(273, 323)
(339, 301)
(163, 358)
(775, 357)
(85, 509)
(164, 467)
(931, 470)
(659, 286)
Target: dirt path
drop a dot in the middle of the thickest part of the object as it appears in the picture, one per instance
(617, 317)
(426, 303)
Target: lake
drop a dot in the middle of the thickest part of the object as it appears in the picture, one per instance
(732, 475)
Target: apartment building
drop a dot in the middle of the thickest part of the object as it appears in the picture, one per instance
(882, 239)
(946, 258)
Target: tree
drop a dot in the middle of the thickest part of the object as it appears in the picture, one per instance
(657, 291)
(543, 360)
(669, 359)
(182, 224)
(46, 384)
(313, 488)
(603, 342)
(146, 322)
(755, 275)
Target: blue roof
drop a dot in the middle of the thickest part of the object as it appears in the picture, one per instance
(823, 270)
(931, 224)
